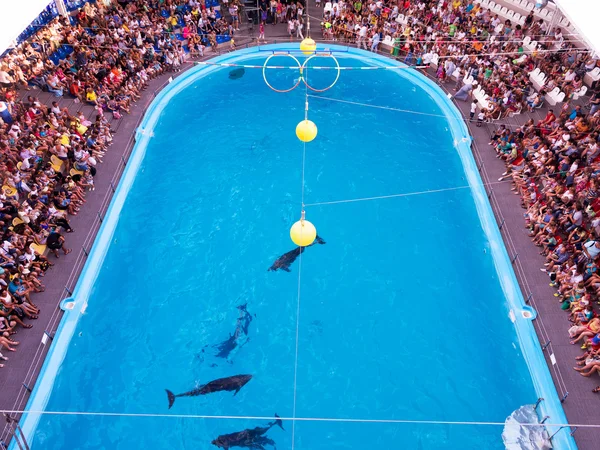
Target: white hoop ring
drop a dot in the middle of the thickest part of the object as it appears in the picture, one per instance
(303, 68)
(265, 75)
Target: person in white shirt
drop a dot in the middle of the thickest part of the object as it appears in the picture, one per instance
(473, 109)
(362, 37)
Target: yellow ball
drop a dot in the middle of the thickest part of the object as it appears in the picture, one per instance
(308, 46)
(306, 131)
(303, 233)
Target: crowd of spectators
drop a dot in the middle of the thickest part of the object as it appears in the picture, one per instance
(48, 154)
(554, 166)
(465, 41)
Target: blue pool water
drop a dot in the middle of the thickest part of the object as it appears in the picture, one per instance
(402, 313)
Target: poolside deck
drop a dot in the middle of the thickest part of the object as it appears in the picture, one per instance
(581, 405)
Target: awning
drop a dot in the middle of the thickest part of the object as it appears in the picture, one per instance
(16, 16)
(583, 15)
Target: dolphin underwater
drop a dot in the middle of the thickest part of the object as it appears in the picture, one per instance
(237, 73)
(251, 438)
(234, 383)
(287, 259)
(241, 330)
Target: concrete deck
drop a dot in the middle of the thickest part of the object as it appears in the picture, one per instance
(581, 405)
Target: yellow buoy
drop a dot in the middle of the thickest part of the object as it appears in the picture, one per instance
(308, 46)
(303, 232)
(306, 130)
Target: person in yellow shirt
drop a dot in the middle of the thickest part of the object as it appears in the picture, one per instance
(91, 97)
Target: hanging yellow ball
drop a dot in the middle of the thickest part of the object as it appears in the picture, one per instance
(308, 46)
(306, 131)
(303, 233)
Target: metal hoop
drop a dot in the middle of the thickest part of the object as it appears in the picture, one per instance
(303, 68)
(299, 68)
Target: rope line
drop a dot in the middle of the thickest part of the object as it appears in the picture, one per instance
(409, 194)
(255, 66)
(305, 75)
(390, 108)
(294, 419)
(381, 197)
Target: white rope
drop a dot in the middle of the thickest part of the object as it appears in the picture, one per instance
(380, 197)
(292, 419)
(299, 271)
(388, 108)
(409, 111)
(298, 67)
(409, 194)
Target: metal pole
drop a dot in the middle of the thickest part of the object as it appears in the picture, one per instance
(10, 426)
(539, 400)
(514, 258)
(556, 432)
(562, 400)
(545, 346)
(22, 434)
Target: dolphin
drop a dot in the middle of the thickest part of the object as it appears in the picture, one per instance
(251, 438)
(287, 259)
(241, 330)
(237, 73)
(234, 383)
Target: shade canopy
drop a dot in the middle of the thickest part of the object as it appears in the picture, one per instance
(583, 14)
(16, 16)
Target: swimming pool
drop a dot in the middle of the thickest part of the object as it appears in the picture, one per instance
(403, 313)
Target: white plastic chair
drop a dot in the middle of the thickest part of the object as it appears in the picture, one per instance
(497, 9)
(503, 11)
(328, 7)
(533, 45)
(526, 41)
(491, 5)
(592, 76)
(580, 92)
(485, 3)
(510, 15)
(534, 74)
(552, 96)
(435, 60)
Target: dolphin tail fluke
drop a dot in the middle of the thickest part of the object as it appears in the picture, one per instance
(279, 422)
(171, 398)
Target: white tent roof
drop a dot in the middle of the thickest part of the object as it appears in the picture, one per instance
(16, 16)
(583, 14)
